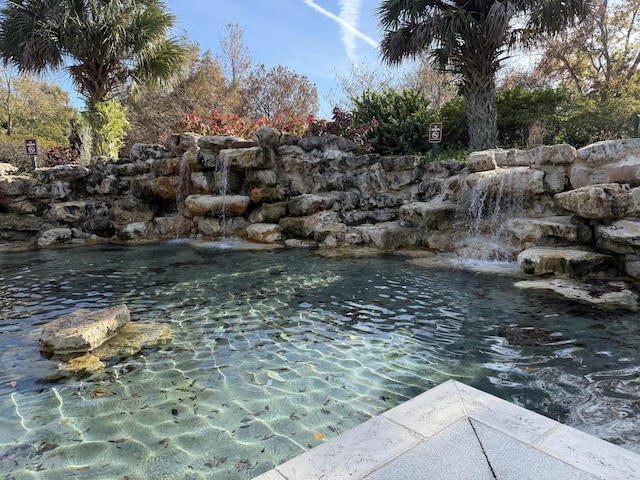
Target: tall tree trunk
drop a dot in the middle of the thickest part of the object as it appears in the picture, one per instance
(480, 95)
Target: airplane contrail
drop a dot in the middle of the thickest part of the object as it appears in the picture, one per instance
(348, 14)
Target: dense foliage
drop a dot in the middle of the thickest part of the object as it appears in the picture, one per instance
(472, 39)
(401, 120)
(61, 155)
(109, 48)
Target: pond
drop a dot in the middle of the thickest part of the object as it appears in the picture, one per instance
(275, 352)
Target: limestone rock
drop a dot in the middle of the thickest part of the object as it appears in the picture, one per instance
(208, 227)
(603, 202)
(482, 161)
(326, 143)
(201, 205)
(244, 158)
(14, 185)
(545, 229)
(7, 169)
(608, 162)
(177, 144)
(566, 262)
(632, 266)
(605, 295)
(175, 226)
(555, 155)
(391, 235)
(141, 151)
(504, 182)
(308, 204)
(55, 236)
(87, 363)
(165, 187)
(70, 212)
(268, 213)
(134, 231)
(622, 236)
(131, 169)
(133, 337)
(55, 190)
(264, 233)
(434, 215)
(82, 330)
(268, 137)
(61, 173)
(263, 178)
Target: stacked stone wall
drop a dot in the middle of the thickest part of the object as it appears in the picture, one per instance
(318, 191)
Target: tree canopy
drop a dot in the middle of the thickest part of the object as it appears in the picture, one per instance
(472, 39)
(109, 48)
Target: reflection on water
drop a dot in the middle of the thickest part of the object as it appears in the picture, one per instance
(277, 351)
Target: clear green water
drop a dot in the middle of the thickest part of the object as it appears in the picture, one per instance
(275, 349)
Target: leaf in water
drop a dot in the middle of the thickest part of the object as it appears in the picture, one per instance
(13, 383)
(244, 464)
(215, 461)
(46, 446)
(100, 392)
(318, 436)
(120, 440)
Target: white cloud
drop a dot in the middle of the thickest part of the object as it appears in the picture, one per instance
(348, 19)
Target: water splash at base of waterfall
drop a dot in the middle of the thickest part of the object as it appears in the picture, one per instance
(487, 203)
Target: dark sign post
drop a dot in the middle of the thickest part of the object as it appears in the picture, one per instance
(32, 151)
(435, 137)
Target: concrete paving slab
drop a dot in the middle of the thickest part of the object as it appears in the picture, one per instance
(353, 454)
(511, 459)
(454, 431)
(452, 454)
(430, 412)
(603, 459)
(503, 416)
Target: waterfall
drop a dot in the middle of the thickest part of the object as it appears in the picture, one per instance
(183, 187)
(487, 202)
(222, 183)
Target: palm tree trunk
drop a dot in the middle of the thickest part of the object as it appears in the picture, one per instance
(480, 95)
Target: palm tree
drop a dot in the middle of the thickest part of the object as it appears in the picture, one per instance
(472, 38)
(110, 48)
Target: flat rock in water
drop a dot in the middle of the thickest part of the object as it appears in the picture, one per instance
(82, 330)
(132, 338)
(606, 295)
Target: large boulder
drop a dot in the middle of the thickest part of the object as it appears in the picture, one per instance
(608, 162)
(622, 236)
(566, 262)
(605, 295)
(434, 215)
(608, 201)
(82, 330)
(264, 233)
(201, 205)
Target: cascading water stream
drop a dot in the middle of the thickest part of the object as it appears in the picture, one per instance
(487, 203)
(222, 177)
(183, 188)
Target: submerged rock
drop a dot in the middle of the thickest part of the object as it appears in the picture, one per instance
(605, 295)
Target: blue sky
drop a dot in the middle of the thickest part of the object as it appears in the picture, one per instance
(316, 38)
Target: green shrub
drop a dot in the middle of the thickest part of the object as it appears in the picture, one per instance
(402, 120)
